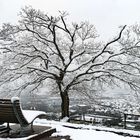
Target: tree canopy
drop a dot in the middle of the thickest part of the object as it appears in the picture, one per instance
(42, 48)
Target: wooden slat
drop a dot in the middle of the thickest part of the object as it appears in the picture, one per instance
(7, 113)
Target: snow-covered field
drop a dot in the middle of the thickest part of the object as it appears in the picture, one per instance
(84, 132)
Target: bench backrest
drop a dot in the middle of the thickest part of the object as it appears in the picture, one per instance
(10, 112)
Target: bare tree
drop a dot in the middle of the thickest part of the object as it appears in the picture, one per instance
(44, 48)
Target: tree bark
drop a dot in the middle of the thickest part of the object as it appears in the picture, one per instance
(64, 105)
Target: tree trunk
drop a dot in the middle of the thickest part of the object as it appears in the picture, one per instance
(64, 105)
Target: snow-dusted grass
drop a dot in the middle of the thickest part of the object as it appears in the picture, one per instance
(84, 132)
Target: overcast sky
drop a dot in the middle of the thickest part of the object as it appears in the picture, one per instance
(106, 15)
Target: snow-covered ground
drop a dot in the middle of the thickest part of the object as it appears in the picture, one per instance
(87, 132)
(84, 132)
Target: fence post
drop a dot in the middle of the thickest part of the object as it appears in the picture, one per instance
(125, 115)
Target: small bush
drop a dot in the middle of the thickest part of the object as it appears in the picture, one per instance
(137, 127)
(112, 122)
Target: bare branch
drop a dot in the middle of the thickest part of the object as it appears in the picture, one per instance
(109, 43)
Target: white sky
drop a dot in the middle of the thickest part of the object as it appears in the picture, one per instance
(106, 15)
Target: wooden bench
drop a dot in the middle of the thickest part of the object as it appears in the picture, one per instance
(11, 112)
